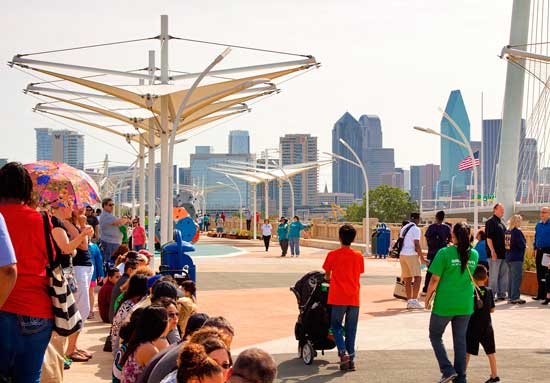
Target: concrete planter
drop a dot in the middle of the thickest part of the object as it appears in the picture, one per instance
(529, 285)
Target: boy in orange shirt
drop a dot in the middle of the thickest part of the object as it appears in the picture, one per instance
(343, 268)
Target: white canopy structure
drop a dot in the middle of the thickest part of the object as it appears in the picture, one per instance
(250, 173)
(163, 106)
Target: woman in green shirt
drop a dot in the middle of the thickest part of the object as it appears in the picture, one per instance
(454, 301)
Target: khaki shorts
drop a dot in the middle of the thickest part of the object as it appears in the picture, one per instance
(410, 266)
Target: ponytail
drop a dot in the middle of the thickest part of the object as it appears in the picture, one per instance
(461, 232)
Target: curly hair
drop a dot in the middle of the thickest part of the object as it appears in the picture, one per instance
(194, 363)
(200, 336)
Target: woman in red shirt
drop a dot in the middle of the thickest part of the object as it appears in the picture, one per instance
(26, 318)
(138, 235)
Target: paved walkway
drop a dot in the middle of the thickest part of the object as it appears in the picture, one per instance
(252, 291)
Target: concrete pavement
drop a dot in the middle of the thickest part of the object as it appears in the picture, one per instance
(252, 291)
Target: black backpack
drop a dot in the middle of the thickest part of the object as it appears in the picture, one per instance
(398, 246)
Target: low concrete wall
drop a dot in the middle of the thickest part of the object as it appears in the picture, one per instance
(328, 232)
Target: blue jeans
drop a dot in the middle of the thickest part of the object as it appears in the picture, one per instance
(294, 246)
(108, 250)
(23, 345)
(352, 317)
(459, 324)
(498, 277)
(515, 275)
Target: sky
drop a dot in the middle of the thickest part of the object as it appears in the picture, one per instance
(397, 59)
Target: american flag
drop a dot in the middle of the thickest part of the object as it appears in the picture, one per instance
(466, 163)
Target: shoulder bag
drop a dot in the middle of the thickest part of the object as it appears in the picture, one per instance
(398, 246)
(478, 302)
(67, 319)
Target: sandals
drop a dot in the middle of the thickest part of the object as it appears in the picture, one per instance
(76, 356)
(85, 353)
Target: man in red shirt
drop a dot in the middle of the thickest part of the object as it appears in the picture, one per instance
(343, 268)
(104, 295)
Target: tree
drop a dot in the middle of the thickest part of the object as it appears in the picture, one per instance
(386, 203)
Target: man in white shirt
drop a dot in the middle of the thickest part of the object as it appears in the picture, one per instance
(410, 259)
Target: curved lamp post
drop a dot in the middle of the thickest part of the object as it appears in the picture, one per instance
(361, 166)
(465, 144)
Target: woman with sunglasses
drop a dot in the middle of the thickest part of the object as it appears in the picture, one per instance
(138, 235)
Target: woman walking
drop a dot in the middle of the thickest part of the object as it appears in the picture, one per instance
(266, 233)
(282, 234)
(515, 253)
(294, 236)
(454, 301)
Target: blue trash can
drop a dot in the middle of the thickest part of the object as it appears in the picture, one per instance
(174, 260)
(383, 240)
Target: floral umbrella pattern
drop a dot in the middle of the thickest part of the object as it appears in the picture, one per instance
(58, 184)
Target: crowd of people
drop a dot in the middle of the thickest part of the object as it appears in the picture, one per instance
(157, 331)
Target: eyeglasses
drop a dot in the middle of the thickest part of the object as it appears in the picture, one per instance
(135, 223)
(110, 204)
(173, 315)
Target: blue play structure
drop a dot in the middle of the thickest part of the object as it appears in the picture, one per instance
(383, 239)
(187, 228)
(173, 257)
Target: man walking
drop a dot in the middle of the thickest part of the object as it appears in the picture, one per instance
(437, 236)
(343, 268)
(496, 249)
(109, 232)
(542, 246)
(248, 216)
(410, 258)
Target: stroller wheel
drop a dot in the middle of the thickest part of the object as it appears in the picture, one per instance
(308, 353)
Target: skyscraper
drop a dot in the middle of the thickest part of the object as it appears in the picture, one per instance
(295, 149)
(377, 160)
(347, 178)
(239, 142)
(423, 182)
(60, 146)
(373, 128)
(451, 153)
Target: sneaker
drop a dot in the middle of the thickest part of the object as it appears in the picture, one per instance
(409, 305)
(517, 302)
(545, 302)
(344, 362)
(446, 379)
(416, 305)
(491, 380)
(351, 365)
(500, 299)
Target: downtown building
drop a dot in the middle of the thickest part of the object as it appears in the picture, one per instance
(64, 146)
(365, 138)
(296, 149)
(239, 142)
(424, 180)
(527, 166)
(451, 153)
(200, 175)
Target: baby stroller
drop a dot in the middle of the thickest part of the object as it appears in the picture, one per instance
(313, 324)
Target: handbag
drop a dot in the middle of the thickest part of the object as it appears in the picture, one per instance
(67, 319)
(398, 245)
(478, 302)
(399, 291)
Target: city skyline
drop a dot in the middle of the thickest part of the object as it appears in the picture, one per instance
(370, 82)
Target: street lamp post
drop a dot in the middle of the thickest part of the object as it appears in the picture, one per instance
(360, 165)
(465, 144)
(452, 187)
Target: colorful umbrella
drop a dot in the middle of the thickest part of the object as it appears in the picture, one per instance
(58, 184)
